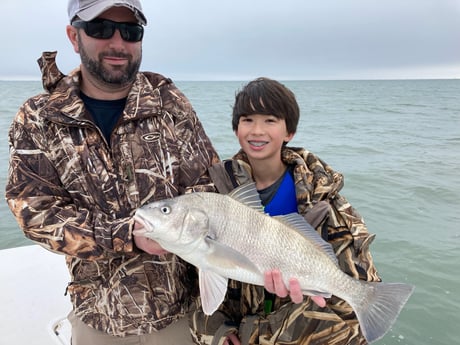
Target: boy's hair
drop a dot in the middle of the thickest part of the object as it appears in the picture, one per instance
(266, 97)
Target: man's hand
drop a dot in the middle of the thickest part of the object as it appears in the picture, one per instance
(273, 282)
(146, 244)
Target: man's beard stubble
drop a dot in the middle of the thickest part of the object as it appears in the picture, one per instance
(98, 71)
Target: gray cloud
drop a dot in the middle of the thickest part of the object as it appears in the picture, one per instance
(294, 39)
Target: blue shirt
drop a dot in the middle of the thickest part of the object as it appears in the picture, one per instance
(281, 200)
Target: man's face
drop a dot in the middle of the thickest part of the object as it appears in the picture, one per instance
(112, 61)
(121, 69)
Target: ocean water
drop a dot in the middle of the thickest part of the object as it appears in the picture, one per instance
(397, 144)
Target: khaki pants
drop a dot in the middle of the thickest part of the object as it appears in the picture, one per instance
(177, 333)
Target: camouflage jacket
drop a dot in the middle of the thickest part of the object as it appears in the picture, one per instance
(319, 201)
(74, 194)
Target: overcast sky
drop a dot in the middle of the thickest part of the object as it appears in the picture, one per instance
(243, 39)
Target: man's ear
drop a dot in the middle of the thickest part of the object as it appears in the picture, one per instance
(72, 34)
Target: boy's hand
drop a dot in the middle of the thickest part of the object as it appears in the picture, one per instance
(232, 339)
(273, 282)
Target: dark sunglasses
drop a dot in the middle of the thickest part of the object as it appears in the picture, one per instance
(104, 29)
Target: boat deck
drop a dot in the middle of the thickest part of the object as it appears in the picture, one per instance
(33, 306)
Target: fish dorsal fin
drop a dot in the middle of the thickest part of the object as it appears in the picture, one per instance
(247, 194)
(298, 223)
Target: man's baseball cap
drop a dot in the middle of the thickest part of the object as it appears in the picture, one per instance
(89, 9)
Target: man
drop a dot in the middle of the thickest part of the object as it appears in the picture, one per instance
(100, 143)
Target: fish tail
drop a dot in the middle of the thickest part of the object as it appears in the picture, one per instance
(378, 311)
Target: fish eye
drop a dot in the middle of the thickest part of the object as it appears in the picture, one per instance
(165, 210)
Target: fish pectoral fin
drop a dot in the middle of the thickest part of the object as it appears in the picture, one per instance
(228, 258)
(317, 293)
(213, 288)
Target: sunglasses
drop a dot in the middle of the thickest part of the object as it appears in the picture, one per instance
(104, 29)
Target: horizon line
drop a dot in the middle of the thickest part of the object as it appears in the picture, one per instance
(34, 79)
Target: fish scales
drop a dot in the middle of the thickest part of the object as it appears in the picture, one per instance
(278, 246)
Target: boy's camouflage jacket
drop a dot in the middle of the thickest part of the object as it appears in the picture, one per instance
(319, 201)
(74, 194)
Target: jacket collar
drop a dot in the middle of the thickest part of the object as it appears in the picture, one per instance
(65, 105)
(309, 168)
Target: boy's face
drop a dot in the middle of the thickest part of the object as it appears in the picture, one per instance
(262, 136)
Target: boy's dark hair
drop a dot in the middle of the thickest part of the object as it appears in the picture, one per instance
(267, 97)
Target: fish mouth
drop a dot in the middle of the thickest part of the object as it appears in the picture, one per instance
(146, 225)
(140, 232)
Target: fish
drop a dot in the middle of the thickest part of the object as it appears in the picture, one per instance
(229, 236)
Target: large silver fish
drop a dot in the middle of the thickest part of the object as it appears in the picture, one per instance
(229, 236)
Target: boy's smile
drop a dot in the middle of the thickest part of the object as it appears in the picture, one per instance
(262, 136)
(257, 144)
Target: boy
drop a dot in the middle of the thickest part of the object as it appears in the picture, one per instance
(265, 118)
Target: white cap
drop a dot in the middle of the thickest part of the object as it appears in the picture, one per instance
(89, 9)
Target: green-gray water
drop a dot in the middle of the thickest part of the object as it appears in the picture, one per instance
(398, 145)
